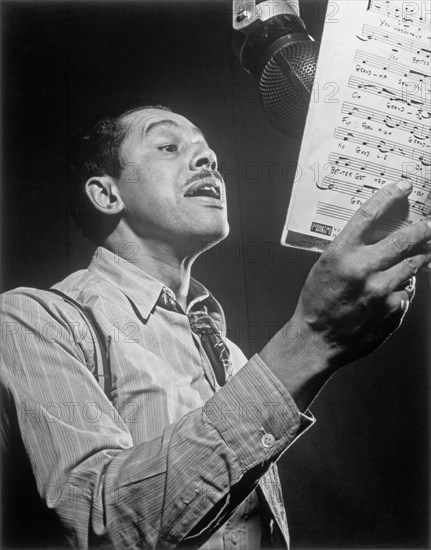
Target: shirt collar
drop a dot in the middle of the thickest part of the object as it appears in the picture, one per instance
(199, 295)
(144, 290)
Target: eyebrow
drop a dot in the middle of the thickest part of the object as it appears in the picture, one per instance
(169, 124)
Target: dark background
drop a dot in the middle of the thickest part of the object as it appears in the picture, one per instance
(360, 477)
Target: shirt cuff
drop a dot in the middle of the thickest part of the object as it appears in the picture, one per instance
(255, 415)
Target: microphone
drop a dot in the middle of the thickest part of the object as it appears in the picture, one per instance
(275, 48)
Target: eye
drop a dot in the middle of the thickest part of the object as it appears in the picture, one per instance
(170, 148)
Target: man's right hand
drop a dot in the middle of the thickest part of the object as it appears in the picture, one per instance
(353, 298)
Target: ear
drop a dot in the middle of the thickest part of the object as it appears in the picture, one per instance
(103, 193)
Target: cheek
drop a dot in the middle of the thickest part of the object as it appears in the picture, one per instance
(154, 204)
(148, 192)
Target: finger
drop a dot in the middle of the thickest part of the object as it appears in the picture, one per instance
(365, 218)
(397, 276)
(408, 241)
(398, 303)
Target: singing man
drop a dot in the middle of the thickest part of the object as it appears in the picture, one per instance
(130, 420)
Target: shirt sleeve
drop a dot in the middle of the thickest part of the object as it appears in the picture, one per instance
(172, 490)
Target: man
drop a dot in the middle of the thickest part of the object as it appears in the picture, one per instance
(142, 429)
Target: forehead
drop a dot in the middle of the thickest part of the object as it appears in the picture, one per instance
(146, 121)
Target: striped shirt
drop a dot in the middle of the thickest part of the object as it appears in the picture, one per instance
(167, 456)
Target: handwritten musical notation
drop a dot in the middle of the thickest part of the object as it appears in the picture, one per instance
(400, 11)
(390, 121)
(409, 93)
(383, 145)
(370, 61)
(379, 128)
(375, 33)
(381, 174)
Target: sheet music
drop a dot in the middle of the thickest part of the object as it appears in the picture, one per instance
(368, 122)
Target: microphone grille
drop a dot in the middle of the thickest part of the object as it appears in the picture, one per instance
(285, 85)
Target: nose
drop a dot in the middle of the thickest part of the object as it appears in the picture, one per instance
(204, 157)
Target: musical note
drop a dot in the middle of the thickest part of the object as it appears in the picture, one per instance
(411, 172)
(425, 161)
(371, 187)
(421, 76)
(346, 137)
(390, 121)
(327, 184)
(378, 62)
(345, 159)
(420, 208)
(386, 91)
(384, 146)
(406, 16)
(419, 136)
(374, 33)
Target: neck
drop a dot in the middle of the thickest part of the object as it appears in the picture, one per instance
(160, 262)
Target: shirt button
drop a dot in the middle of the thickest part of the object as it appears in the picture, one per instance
(268, 441)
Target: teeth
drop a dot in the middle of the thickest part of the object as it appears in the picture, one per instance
(208, 190)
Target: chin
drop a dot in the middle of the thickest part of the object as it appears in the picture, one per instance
(212, 236)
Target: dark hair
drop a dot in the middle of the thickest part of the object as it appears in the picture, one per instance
(95, 151)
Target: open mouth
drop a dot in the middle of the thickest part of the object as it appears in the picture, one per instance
(205, 188)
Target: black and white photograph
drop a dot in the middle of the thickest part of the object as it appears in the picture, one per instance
(215, 274)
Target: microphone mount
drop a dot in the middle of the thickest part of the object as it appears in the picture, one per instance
(266, 38)
(279, 53)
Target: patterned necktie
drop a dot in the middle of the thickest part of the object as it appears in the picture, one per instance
(212, 342)
(211, 339)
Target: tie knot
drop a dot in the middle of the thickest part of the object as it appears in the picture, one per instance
(202, 323)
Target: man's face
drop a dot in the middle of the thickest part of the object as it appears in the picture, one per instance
(171, 191)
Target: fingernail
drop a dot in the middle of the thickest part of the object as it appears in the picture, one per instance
(404, 185)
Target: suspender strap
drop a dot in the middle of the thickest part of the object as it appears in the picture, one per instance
(102, 371)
